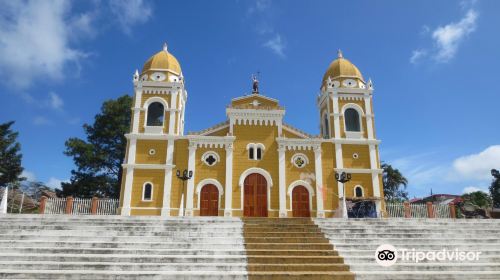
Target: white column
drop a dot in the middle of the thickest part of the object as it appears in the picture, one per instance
(369, 117)
(127, 195)
(339, 162)
(375, 178)
(336, 116)
(320, 213)
(228, 208)
(167, 184)
(190, 182)
(173, 106)
(282, 181)
(129, 178)
(137, 111)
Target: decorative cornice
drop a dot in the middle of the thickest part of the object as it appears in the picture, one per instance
(148, 166)
(359, 170)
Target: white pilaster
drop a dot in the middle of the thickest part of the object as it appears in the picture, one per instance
(129, 177)
(320, 213)
(369, 117)
(282, 182)
(336, 116)
(375, 178)
(190, 182)
(229, 181)
(137, 111)
(167, 184)
(173, 106)
(127, 195)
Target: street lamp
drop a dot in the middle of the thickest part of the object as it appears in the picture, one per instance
(186, 175)
(343, 178)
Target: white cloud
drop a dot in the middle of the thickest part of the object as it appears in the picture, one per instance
(276, 44)
(55, 183)
(417, 55)
(477, 166)
(30, 176)
(35, 41)
(449, 37)
(473, 189)
(55, 102)
(41, 120)
(130, 12)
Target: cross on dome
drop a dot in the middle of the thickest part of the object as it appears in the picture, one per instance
(339, 54)
(165, 47)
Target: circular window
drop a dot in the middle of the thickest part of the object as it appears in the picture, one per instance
(355, 156)
(152, 152)
(300, 160)
(210, 158)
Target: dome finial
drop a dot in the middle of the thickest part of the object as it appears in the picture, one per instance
(165, 47)
(339, 54)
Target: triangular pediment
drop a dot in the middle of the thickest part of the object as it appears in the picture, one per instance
(255, 101)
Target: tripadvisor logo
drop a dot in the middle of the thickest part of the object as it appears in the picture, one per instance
(387, 255)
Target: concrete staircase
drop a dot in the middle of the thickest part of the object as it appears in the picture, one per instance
(114, 247)
(357, 240)
(292, 248)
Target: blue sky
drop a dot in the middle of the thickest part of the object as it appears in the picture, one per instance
(434, 65)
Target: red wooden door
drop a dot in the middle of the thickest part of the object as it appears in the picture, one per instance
(300, 202)
(209, 201)
(255, 196)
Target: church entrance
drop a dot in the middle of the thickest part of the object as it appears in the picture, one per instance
(209, 201)
(300, 202)
(255, 196)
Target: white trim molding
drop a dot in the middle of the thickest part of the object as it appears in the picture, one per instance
(155, 99)
(306, 185)
(209, 181)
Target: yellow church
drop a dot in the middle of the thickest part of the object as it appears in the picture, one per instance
(253, 164)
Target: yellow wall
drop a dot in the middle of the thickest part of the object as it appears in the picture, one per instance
(143, 147)
(181, 162)
(142, 176)
(363, 160)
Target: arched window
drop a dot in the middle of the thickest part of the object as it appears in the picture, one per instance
(352, 120)
(326, 128)
(358, 191)
(155, 114)
(250, 153)
(147, 192)
(259, 153)
(255, 151)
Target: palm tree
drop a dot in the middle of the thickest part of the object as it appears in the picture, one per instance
(393, 180)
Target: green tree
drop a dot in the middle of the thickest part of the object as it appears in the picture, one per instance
(10, 155)
(394, 184)
(478, 198)
(98, 159)
(495, 188)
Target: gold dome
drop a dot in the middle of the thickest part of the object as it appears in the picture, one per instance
(342, 68)
(163, 61)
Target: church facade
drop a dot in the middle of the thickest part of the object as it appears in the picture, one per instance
(253, 164)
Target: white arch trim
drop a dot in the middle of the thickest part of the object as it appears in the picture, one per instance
(156, 99)
(209, 181)
(355, 107)
(362, 190)
(306, 185)
(258, 171)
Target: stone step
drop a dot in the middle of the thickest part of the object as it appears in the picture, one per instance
(286, 240)
(284, 234)
(122, 266)
(301, 275)
(295, 259)
(282, 229)
(390, 235)
(367, 259)
(122, 275)
(297, 267)
(427, 275)
(462, 266)
(125, 258)
(119, 244)
(112, 251)
(289, 246)
(399, 241)
(165, 239)
(419, 246)
(371, 253)
(254, 252)
(382, 230)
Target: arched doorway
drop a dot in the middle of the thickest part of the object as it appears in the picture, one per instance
(209, 201)
(255, 196)
(300, 202)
